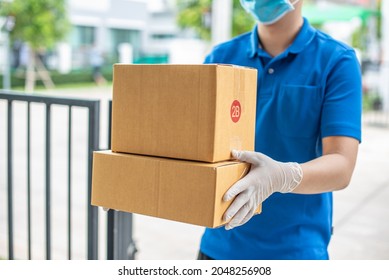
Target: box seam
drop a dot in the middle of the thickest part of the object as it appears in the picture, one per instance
(216, 181)
(217, 76)
(158, 186)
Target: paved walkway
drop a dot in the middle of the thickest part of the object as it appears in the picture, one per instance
(361, 213)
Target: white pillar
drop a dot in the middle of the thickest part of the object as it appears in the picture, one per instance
(64, 58)
(125, 53)
(187, 51)
(7, 27)
(221, 20)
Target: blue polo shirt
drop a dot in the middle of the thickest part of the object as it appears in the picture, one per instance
(310, 91)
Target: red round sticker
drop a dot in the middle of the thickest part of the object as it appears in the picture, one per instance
(236, 111)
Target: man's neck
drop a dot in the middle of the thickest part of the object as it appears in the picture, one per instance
(277, 37)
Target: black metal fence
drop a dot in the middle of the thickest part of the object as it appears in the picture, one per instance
(120, 244)
(119, 225)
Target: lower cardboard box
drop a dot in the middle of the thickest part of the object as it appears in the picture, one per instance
(177, 190)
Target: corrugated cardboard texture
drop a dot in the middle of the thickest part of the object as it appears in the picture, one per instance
(235, 83)
(177, 190)
(183, 111)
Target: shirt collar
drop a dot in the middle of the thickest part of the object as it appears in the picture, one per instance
(254, 42)
(304, 37)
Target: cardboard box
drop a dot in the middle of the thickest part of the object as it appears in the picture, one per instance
(178, 190)
(193, 112)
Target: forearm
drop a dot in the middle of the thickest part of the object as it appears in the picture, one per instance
(325, 174)
(333, 170)
(330, 172)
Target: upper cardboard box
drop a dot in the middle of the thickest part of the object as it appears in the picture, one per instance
(193, 112)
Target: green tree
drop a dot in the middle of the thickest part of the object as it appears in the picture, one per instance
(197, 15)
(40, 24)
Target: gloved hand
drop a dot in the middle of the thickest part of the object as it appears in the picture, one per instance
(265, 177)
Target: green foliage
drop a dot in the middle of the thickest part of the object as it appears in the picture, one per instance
(41, 23)
(372, 101)
(379, 19)
(242, 21)
(358, 39)
(75, 77)
(196, 15)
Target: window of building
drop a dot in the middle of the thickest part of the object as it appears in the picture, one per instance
(82, 39)
(119, 36)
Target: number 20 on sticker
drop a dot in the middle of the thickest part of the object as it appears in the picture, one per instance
(236, 111)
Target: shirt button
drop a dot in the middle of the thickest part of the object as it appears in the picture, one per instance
(270, 71)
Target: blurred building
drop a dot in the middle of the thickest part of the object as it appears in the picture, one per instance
(104, 24)
(123, 30)
(162, 26)
(120, 30)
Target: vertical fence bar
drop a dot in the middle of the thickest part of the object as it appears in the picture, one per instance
(29, 178)
(9, 181)
(125, 248)
(110, 234)
(120, 245)
(93, 139)
(70, 184)
(48, 183)
(110, 214)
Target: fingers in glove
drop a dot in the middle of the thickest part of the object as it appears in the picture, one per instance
(240, 217)
(237, 188)
(249, 215)
(248, 156)
(237, 204)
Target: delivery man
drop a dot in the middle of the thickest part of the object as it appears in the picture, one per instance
(308, 129)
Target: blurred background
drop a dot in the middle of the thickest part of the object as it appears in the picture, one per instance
(66, 48)
(64, 36)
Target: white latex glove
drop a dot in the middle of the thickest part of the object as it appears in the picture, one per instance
(265, 177)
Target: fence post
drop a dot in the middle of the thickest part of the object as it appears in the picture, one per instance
(93, 136)
(9, 182)
(125, 248)
(120, 245)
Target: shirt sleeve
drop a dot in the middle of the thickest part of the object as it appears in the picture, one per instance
(342, 107)
(208, 59)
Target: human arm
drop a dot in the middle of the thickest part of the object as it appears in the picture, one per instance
(332, 171)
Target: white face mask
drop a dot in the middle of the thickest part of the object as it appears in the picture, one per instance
(268, 11)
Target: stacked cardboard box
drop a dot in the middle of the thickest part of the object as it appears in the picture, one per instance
(173, 129)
